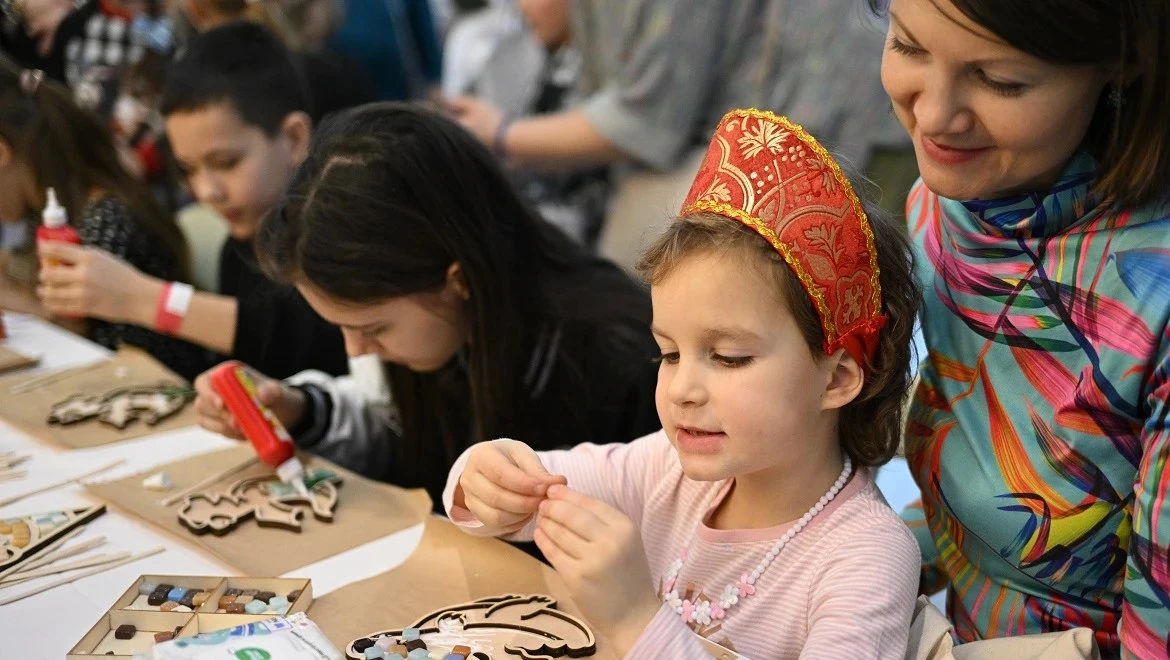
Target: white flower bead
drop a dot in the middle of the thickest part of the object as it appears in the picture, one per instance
(703, 612)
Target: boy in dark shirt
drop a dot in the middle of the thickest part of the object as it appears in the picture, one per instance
(238, 119)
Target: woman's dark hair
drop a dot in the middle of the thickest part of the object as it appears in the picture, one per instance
(72, 151)
(870, 426)
(1132, 142)
(388, 198)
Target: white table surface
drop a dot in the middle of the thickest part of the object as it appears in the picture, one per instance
(49, 624)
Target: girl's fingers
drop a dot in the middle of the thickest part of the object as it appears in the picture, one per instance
(498, 469)
(566, 539)
(497, 497)
(577, 519)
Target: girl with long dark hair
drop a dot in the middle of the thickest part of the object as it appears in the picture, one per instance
(402, 229)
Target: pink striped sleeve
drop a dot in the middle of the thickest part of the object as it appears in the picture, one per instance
(863, 599)
(667, 637)
(618, 474)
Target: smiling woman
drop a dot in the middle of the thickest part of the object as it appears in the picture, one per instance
(1038, 433)
(996, 106)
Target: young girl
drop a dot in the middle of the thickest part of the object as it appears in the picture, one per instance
(784, 319)
(402, 229)
(47, 141)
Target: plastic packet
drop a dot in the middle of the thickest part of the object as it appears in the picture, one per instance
(294, 637)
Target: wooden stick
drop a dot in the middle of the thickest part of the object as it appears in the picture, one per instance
(49, 379)
(52, 546)
(210, 481)
(9, 461)
(96, 560)
(12, 475)
(73, 578)
(66, 482)
(57, 556)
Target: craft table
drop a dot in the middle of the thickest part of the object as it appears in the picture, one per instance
(48, 624)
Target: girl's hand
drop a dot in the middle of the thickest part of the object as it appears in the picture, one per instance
(503, 483)
(597, 550)
(90, 282)
(287, 403)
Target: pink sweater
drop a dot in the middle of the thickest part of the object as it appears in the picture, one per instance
(844, 587)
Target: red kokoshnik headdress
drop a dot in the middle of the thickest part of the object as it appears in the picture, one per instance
(768, 173)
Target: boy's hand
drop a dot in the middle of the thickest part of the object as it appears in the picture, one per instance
(597, 550)
(287, 403)
(503, 483)
(88, 282)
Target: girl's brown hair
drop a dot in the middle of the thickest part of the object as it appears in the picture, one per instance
(1130, 139)
(72, 151)
(869, 427)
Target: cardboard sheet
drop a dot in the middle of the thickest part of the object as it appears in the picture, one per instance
(11, 360)
(448, 567)
(29, 410)
(366, 511)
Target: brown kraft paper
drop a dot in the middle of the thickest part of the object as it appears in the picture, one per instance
(11, 360)
(449, 567)
(366, 511)
(29, 411)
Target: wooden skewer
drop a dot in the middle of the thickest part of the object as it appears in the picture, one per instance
(9, 461)
(64, 553)
(96, 560)
(73, 578)
(210, 481)
(66, 482)
(49, 379)
(49, 550)
(12, 475)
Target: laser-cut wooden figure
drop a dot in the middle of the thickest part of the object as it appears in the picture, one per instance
(530, 627)
(119, 408)
(263, 499)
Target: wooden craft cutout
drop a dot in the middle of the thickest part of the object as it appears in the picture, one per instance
(265, 499)
(119, 408)
(527, 626)
(23, 537)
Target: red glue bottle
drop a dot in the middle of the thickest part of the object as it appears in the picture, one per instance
(55, 225)
(268, 436)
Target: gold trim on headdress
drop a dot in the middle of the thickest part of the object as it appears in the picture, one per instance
(768, 173)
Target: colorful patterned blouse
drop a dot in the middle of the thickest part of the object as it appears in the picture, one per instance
(1039, 434)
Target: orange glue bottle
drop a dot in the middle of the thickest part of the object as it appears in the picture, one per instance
(55, 225)
(272, 443)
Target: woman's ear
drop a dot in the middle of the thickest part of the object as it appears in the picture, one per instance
(297, 130)
(846, 378)
(456, 281)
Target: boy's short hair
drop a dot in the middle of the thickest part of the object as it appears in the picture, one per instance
(241, 64)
